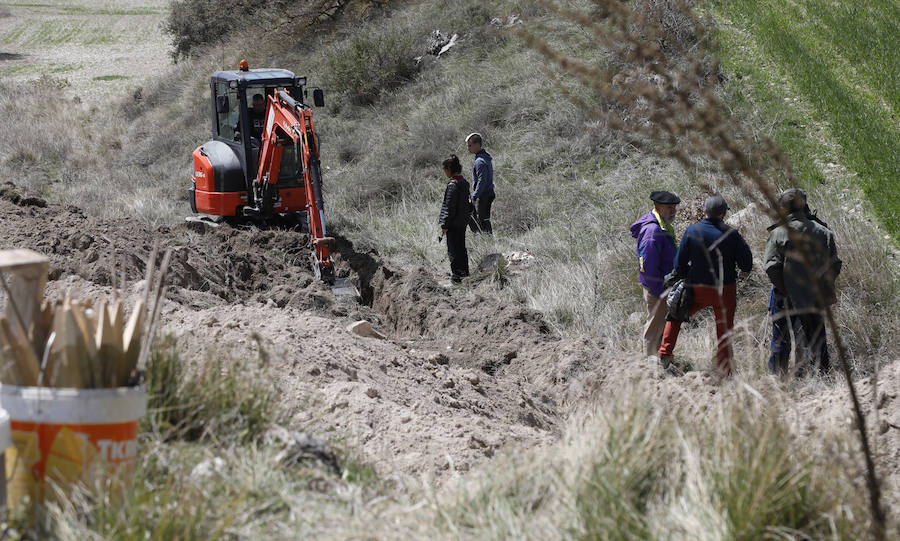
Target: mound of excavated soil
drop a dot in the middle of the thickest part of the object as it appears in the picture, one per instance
(460, 377)
(209, 266)
(446, 390)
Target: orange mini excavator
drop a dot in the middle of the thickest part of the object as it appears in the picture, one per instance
(263, 161)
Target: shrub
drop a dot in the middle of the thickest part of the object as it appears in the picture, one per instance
(195, 23)
(219, 399)
(371, 64)
(623, 476)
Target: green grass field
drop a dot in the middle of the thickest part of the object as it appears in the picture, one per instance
(638, 458)
(841, 60)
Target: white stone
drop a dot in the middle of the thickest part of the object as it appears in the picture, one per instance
(364, 328)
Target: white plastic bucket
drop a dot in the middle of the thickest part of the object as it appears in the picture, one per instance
(61, 435)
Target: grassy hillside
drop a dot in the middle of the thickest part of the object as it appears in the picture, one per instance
(839, 61)
(720, 465)
(568, 186)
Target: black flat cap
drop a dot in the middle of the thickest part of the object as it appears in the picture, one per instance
(664, 198)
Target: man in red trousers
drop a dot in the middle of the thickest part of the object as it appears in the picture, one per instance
(707, 259)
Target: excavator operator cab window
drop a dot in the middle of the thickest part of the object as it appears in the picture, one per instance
(227, 111)
(256, 112)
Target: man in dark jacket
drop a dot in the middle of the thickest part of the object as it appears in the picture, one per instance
(802, 284)
(257, 115)
(454, 217)
(656, 245)
(709, 252)
(483, 183)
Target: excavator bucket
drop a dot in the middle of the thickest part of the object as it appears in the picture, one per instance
(340, 287)
(343, 287)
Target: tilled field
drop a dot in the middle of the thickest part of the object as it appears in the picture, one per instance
(92, 46)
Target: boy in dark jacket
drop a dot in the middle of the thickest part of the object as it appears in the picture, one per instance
(709, 252)
(454, 217)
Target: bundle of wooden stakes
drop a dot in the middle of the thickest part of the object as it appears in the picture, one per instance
(71, 343)
(92, 346)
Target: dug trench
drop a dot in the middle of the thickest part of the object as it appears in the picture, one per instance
(460, 378)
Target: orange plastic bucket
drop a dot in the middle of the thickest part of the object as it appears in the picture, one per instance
(63, 435)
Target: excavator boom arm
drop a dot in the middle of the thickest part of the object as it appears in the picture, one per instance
(290, 122)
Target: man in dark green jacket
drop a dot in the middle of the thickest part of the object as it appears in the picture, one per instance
(802, 263)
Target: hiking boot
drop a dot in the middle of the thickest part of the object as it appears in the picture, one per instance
(675, 367)
(683, 365)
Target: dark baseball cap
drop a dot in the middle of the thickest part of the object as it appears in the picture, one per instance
(664, 198)
(715, 206)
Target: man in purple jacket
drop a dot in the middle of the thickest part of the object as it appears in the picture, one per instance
(656, 247)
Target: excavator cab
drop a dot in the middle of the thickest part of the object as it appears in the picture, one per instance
(233, 152)
(260, 164)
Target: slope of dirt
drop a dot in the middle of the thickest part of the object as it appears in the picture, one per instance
(406, 408)
(460, 378)
(436, 397)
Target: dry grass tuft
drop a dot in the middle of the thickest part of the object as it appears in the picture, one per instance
(731, 470)
(571, 175)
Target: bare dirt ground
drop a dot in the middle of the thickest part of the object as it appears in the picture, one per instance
(460, 377)
(447, 389)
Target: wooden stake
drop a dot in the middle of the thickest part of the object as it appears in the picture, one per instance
(109, 348)
(91, 375)
(13, 305)
(50, 364)
(9, 369)
(26, 290)
(131, 340)
(117, 320)
(69, 350)
(29, 367)
(41, 328)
